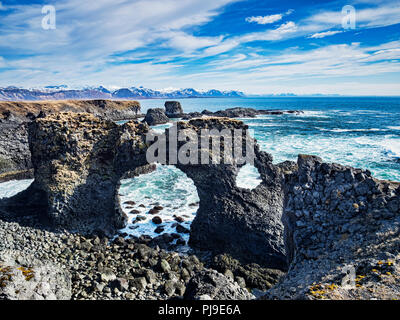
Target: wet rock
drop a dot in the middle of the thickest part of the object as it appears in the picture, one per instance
(130, 203)
(159, 230)
(157, 220)
(182, 229)
(179, 219)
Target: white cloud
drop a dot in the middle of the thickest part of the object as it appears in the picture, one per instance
(270, 18)
(324, 34)
(266, 19)
(383, 15)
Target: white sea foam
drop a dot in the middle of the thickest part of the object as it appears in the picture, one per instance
(13, 187)
(167, 187)
(248, 177)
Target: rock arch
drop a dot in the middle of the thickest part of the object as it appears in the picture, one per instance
(79, 160)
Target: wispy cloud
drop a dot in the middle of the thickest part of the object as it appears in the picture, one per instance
(269, 19)
(324, 34)
(161, 43)
(266, 19)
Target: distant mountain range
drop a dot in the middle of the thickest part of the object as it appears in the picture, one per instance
(62, 92)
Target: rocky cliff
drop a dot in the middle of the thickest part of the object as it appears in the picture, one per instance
(78, 161)
(244, 223)
(14, 149)
(112, 110)
(336, 227)
(342, 230)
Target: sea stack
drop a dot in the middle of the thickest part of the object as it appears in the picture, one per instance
(173, 109)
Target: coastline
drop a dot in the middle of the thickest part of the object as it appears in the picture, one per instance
(103, 279)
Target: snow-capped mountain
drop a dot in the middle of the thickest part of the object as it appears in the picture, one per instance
(63, 92)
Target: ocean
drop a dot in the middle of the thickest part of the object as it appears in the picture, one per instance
(360, 132)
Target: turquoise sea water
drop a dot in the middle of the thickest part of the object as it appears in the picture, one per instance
(360, 132)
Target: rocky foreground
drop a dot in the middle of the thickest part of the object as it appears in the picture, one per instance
(310, 230)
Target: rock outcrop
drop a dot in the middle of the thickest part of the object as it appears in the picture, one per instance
(14, 147)
(109, 109)
(342, 226)
(156, 116)
(173, 109)
(245, 223)
(238, 113)
(26, 278)
(211, 285)
(15, 156)
(78, 161)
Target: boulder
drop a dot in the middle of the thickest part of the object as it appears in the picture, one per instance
(156, 116)
(210, 285)
(173, 109)
(25, 278)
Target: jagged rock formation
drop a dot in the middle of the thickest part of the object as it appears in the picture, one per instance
(15, 156)
(78, 161)
(173, 109)
(334, 217)
(156, 116)
(339, 219)
(26, 278)
(244, 223)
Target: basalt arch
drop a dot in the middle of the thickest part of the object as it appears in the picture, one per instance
(79, 160)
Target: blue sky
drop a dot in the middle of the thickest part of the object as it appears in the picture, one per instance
(258, 47)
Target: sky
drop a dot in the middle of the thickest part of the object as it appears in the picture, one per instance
(255, 46)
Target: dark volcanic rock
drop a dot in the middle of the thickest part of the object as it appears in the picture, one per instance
(156, 116)
(244, 223)
(173, 109)
(211, 285)
(78, 169)
(339, 219)
(14, 147)
(79, 161)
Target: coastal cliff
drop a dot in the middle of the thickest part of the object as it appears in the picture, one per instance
(15, 158)
(335, 228)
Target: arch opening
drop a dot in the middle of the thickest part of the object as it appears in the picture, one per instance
(248, 177)
(164, 201)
